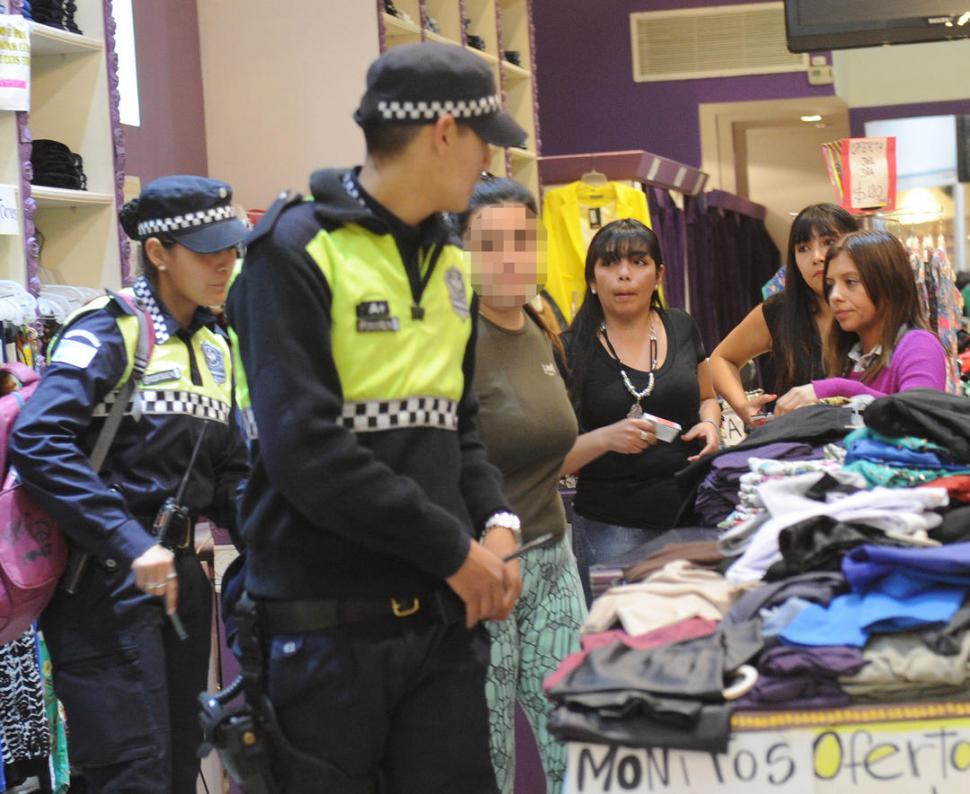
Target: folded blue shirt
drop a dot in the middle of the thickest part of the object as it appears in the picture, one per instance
(897, 602)
(949, 564)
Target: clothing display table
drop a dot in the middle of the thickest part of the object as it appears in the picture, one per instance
(892, 748)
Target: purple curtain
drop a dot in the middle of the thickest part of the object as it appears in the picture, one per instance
(669, 223)
(729, 256)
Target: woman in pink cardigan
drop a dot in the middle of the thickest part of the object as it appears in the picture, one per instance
(881, 343)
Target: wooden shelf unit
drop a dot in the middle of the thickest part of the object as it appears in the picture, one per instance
(503, 25)
(75, 231)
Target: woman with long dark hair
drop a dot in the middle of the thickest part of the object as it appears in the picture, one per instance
(792, 325)
(633, 366)
(880, 342)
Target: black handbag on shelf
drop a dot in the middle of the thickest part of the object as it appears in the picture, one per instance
(55, 165)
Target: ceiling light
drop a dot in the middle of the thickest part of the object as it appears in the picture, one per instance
(811, 119)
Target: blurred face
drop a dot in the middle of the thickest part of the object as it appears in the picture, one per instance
(505, 250)
(625, 286)
(810, 258)
(851, 306)
(197, 279)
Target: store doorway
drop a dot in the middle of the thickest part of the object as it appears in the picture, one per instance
(766, 152)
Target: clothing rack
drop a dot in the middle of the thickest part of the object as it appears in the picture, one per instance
(635, 164)
(721, 199)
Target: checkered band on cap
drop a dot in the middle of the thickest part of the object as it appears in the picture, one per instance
(189, 220)
(371, 415)
(460, 109)
(168, 401)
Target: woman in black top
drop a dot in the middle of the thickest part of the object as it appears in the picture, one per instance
(628, 358)
(790, 325)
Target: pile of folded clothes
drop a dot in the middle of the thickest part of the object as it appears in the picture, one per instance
(845, 581)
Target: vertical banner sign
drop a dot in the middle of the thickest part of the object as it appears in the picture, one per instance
(14, 62)
(863, 172)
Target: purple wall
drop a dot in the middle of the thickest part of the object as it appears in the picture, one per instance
(859, 116)
(589, 102)
(171, 138)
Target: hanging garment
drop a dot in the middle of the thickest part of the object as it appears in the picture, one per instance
(23, 723)
(572, 215)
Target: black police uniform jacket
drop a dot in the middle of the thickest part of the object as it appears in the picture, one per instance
(187, 382)
(369, 478)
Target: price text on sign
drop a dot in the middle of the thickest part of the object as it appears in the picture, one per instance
(888, 758)
(869, 168)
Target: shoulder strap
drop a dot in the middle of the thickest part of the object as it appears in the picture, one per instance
(143, 349)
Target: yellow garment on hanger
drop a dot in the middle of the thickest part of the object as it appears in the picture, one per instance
(570, 214)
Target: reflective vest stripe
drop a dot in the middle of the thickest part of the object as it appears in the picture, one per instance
(171, 402)
(249, 423)
(373, 415)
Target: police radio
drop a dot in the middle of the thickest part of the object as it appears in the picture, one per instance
(173, 522)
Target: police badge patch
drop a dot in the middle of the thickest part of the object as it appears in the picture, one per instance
(456, 292)
(215, 361)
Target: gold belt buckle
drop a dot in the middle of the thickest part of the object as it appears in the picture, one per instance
(404, 610)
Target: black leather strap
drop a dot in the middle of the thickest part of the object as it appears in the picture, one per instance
(296, 617)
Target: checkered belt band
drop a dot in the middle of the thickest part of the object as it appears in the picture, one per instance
(372, 415)
(172, 402)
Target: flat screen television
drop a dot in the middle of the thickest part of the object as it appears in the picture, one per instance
(841, 24)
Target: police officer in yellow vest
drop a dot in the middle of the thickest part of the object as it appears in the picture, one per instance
(128, 682)
(373, 523)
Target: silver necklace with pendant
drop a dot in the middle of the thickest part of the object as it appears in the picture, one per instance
(636, 410)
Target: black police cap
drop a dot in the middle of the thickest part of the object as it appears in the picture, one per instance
(195, 211)
(419, 83)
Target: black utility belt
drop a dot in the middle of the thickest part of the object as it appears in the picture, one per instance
(297, 617)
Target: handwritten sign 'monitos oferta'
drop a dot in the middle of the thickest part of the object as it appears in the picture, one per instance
(911, 757)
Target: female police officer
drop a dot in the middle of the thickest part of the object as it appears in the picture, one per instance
(128, 682)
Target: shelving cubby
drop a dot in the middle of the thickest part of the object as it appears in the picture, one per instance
(503, 25)
(76, 230)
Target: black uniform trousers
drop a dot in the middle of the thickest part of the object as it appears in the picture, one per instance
(391, 699)
(128, 684)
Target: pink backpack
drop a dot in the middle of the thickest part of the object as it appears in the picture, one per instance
(33, 550)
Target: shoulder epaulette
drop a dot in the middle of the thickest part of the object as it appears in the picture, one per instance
(287, 199)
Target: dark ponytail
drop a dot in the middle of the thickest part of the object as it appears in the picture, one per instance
(129, 217)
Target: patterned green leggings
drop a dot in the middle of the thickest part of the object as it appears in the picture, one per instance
(540, 632)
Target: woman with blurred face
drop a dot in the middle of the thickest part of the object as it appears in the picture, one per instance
(528, 427)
